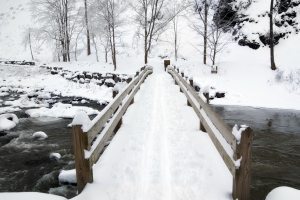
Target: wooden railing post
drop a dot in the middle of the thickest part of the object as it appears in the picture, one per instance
(114, 94)
(202, 126)
(242, 181)
(84, 173)
(191, 82)
(118, 125)
(166, 63)
(207, 97)
(128, 80)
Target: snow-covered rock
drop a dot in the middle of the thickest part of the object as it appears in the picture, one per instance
(44, 96)
(56, 156)
(60, 110)
(283, 192)
(8, 109)
(68, 176)
(40, 135)
(8, 121)
(3, 94)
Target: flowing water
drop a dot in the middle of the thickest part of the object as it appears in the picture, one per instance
(276, 146)
(25, 163)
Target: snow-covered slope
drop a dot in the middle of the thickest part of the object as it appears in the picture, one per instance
(244, 73)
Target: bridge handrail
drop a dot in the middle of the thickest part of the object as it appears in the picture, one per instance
(236, 153)
(86, 153)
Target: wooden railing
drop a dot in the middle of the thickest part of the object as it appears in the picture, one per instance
(235, 151)
(88, 143)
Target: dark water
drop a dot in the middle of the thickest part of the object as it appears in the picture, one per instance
(25, 163)
(276, 146)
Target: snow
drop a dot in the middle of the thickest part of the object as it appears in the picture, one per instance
(40, 135)
(284, 193)
(81, 118)
(3, 94)
(237, 132)
(6, 123)
(67, 176)
(29, 196)
(60, 110)
(8, 109)
(57, 156)
(110, 81)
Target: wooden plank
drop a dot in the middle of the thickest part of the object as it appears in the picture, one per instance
(113, 123)
(242, 181)
(96, 128)
(214, 117)
(226, 158)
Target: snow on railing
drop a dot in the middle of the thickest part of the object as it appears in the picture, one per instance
(90, 137)
(234, 146)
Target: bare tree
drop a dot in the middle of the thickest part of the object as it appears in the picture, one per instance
(87, 28)
(95, 45)
(202, 8)
(76, 42)
(104, 39)
(217, 39)
(174, 32)
(152, 18)
(27, 34)
(273, 66)
(54, 19)
(110, 12)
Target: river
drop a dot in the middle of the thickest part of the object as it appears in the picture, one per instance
(25, 163)
(276, 146)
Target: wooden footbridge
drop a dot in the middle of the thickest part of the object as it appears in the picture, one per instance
(90, 141)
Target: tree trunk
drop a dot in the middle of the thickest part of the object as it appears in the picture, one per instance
(30, 46)
(87, 30)
(273, 66)
(145, 37)
(93, 36)
(175, 36)
(114, 50)
(205, 31)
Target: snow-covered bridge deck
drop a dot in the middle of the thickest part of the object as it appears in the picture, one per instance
(159, 152)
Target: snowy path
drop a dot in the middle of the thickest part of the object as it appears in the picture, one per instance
(159, 152)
